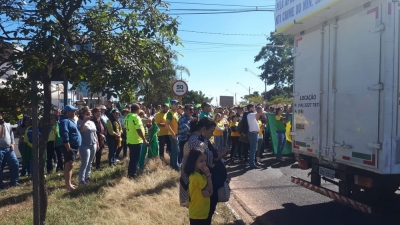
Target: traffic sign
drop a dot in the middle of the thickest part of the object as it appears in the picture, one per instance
(180, 88)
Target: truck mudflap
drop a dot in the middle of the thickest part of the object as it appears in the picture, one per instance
(333, 195)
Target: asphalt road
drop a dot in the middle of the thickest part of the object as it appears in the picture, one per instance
(270, 198)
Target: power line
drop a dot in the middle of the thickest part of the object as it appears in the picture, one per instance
(227, 12)
(219, 43)
(195, 3)
(203, 32)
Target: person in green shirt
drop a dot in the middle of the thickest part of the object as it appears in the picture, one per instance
(206, 111)
(280, 133)
(134, 138)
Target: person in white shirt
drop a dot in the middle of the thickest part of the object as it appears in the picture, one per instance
(254, 128)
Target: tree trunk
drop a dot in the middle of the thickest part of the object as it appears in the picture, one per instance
(46, 127)
(35, 155)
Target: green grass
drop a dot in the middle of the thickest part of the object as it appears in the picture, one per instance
(110, 198)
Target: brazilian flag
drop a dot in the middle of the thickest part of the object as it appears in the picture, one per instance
(272, 129)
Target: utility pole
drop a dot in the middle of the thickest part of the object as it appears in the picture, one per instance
(265, 82)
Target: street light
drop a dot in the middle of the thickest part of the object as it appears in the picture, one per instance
(233, 94)
(265, 82)
(245, 87)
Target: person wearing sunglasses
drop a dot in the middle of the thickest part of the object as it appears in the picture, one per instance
(184, 129)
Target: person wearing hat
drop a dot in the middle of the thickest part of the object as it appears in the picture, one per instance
(114, 132)
(197, 111)
(172, 125)
(72, 139)
(103, 110)
(109, 109)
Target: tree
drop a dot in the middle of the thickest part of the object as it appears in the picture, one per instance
(195, 97)
(277, 64)
(280, 100)
(109, 45)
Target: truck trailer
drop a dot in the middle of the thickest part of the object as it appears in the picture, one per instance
(346, 100)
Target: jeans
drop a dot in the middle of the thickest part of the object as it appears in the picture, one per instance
(181, 146)
(60, 161)
(253, 137)
(226, 133)
(124, 149)
(87, 153)
(235, 144)
(259, 147)
(134, 156)
(219, 142)
(8, 156)
(281, 143)
(173, 162)
(162, 140)
(50, 155)
(112, 148)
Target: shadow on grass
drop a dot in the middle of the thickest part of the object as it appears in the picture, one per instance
(13, 200)
(106, 178)
(168, 184)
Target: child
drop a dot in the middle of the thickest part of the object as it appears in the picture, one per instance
(219, 132)
(200, 187)
(235, 137)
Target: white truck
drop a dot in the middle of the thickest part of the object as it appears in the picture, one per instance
(346, 94)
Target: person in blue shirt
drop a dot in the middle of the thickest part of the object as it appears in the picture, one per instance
(71, 137)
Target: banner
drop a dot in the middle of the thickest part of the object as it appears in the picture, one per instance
(287, 12)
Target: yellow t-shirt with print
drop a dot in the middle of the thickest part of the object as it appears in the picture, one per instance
(234, 133)
(173, 118)
(161, 118)
(199, 206)
(219, 132)
(132, 124)
(260, 132)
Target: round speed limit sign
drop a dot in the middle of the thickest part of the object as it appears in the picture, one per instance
(180, 88)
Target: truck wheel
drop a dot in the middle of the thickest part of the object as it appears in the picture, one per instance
(315, 178)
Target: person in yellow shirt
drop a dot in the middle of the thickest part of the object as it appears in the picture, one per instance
(200, 187)
(233, 125)
(114, 132)
(219, 131)
(172, 125)
(50, 148)
(163, 138)
(135, 138)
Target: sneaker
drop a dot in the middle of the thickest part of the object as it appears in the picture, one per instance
(255, 167)
(117, 160)
(83, 182)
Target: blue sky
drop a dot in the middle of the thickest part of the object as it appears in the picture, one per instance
(215, 68)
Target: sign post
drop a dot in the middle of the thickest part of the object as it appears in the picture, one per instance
(180, 89)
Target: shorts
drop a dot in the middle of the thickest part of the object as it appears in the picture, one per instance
(69, 156)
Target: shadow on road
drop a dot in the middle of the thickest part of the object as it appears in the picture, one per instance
(325, 213)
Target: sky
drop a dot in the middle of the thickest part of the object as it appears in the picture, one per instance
(214, 68)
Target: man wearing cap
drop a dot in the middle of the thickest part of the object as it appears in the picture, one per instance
(172, 125)
(205, 110)
(114, 132)
(254, 128)
(71, 137)
(197, 111)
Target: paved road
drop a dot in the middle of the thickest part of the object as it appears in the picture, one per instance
(270, 197)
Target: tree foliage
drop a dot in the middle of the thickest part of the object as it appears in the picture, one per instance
(280, 100)
(195, 97)
(109, 45)
(277, 64)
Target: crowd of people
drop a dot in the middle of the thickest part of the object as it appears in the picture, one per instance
(197, 138)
